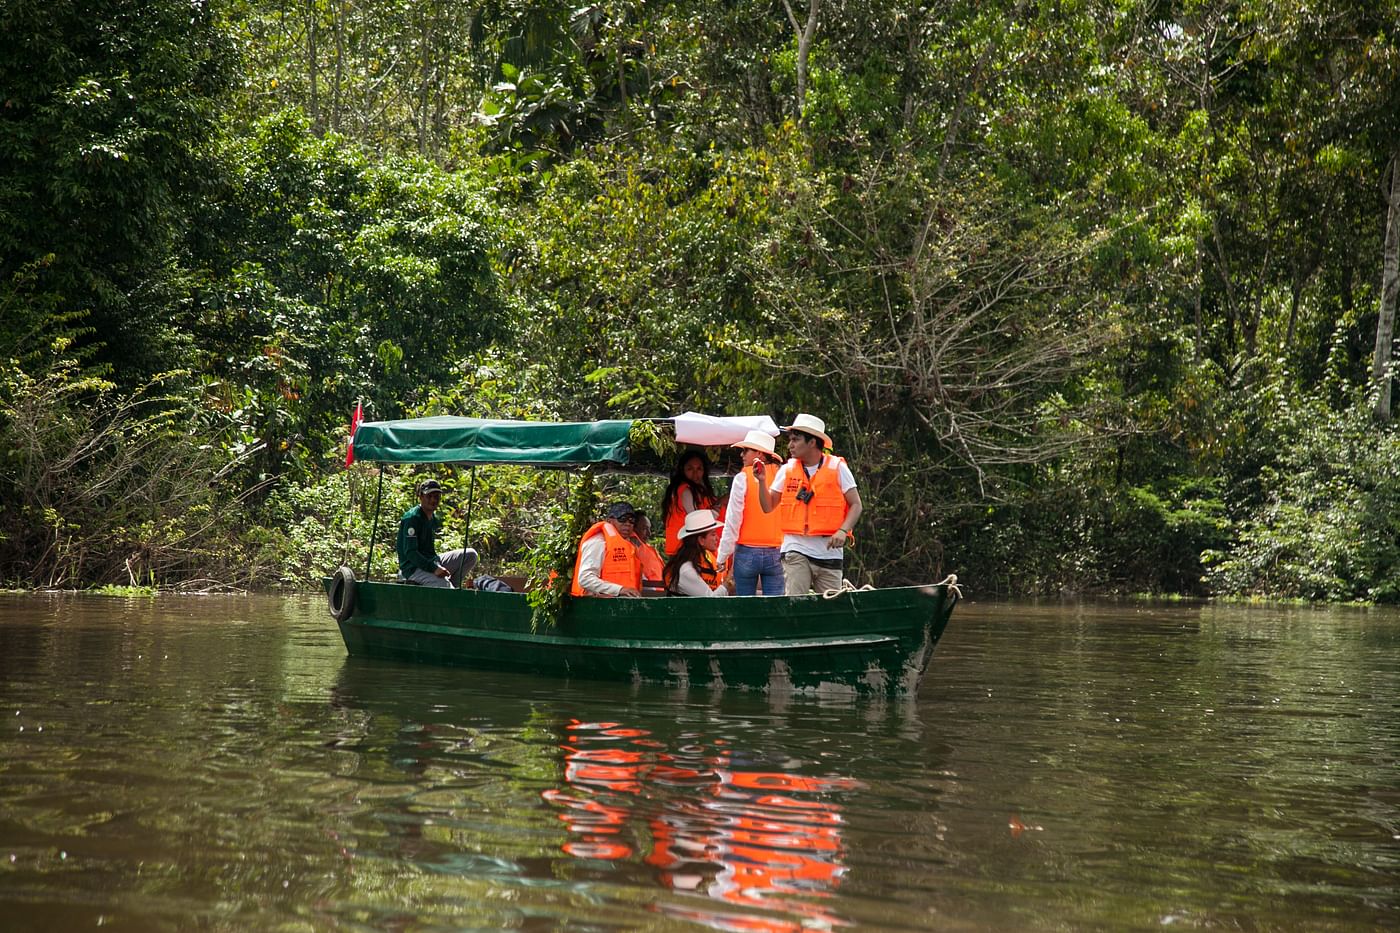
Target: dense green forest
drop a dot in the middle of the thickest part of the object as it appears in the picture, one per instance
(1095, 295)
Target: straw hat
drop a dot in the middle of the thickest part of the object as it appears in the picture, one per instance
(761, 441)
(810, 424)
(697, 523)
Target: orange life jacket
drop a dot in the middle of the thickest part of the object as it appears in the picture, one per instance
(620, 564)
(652, 564)
(709, 571)
(676, 517)
(823, 513)
(759, 528)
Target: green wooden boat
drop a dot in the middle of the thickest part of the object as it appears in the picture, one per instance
(852, 641)
(864, 641)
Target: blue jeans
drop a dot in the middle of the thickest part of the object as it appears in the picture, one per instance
(754, 563)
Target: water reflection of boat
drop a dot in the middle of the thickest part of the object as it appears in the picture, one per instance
(714, 825)
(668, 792)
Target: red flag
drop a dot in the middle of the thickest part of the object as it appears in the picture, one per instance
(355, 420)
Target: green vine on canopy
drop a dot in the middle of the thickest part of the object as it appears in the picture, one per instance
(551, 565)
(647, 435)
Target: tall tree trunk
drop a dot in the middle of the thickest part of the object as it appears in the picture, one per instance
(806, 32)
(974, 83)
(339, 33)
(1295, 299)
(1199, 297)
(311, 56)
(429, 67)
(1390, 290)
(913, 49)
(1231, 305)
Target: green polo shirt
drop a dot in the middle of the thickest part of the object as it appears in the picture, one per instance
(416, 534)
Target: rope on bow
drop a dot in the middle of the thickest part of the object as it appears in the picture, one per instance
(951, 582)
(846, 587)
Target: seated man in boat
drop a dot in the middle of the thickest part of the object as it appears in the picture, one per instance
(815, 496)
(607, 563)
(419, 561)
(651, 560)
(692, 570)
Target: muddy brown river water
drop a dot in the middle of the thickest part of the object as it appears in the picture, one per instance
(218, 763)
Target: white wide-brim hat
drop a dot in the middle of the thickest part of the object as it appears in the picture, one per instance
(697, 523)
(761, 441)
(810, 424)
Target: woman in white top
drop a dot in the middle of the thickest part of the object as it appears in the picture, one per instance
(691, 570)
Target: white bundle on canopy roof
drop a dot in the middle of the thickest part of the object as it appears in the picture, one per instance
(715, 431)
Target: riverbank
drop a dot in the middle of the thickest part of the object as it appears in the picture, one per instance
(1138, 599)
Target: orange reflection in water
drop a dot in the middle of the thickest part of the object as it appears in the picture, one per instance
(748, 838)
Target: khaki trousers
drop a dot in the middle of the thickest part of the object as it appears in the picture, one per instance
(801, 576)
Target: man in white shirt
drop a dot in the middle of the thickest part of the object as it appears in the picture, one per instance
(822, 507)
(590, 576)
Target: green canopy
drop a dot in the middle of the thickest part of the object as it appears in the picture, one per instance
(449, 439)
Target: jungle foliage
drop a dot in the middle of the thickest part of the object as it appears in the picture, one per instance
(1094, 296)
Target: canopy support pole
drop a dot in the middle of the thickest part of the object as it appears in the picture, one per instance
(374, 529)
(467, 531)
(349, 518)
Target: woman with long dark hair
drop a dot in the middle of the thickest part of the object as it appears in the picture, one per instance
(691, 571)
(688, 490)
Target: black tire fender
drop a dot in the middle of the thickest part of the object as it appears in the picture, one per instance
(341, 596)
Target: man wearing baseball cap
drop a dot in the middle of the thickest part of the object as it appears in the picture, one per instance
(815, 496)
(607, 562)
(419, 561)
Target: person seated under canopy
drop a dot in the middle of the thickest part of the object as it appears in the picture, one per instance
(691, 571)
(689, 489)
(607, 562)
(652, 562)
(419, 561)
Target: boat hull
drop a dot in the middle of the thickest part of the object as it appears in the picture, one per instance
(867, 641)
